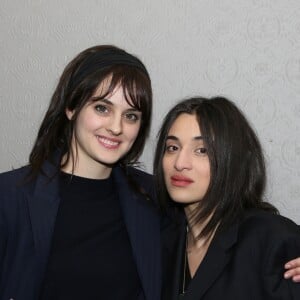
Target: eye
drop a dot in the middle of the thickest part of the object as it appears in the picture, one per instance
(201, 151)
(132, 117)
(101, 108)
(171, 148)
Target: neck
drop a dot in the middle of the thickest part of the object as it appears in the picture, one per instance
(195, 229)
(84, 170)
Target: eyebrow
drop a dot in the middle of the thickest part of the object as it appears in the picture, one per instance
(174, 138)
(95, 99)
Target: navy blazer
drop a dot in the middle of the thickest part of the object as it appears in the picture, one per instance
(27, 217)
(242, 263)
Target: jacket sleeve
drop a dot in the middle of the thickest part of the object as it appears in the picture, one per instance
(3, 233)
(2, 242)
(285, 245)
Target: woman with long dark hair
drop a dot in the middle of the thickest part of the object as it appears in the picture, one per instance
(77, 223)
(223, 241)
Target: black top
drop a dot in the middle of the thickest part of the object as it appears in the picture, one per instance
(185, 275)
(91, 255)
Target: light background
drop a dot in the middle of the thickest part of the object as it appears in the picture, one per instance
(247, 50)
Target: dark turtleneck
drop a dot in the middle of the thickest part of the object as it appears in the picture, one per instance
(91, 255)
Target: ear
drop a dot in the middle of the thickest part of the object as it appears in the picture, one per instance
(69, 114)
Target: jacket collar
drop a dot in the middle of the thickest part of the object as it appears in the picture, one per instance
(216, 259)
(43, 206)
(143, 226)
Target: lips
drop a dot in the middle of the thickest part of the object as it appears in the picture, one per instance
(108, 143)
(181, 181)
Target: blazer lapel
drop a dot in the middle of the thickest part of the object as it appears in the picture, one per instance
(43, 205)
(173, 251)
(213, 264)
(143, 227)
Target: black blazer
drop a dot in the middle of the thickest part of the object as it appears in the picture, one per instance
(27, 218)
(242, 263)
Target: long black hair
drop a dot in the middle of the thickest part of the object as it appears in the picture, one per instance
(237, 166)
(75, 88)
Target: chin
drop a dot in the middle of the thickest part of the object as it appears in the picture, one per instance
(184, 198)
(108, 162)
(180, 200)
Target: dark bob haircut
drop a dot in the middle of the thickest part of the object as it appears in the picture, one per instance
(236, 159)
(75, 88)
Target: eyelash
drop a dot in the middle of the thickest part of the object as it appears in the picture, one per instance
(100, 108)
(173, 148)
(130, 117)
(201, 151)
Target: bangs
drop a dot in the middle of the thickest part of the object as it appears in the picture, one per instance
(134, 84)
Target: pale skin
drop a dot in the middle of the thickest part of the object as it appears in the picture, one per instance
(196, 248)
(187, 175)
(104, 132)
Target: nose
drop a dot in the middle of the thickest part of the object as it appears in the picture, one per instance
(114, 126)
(183, 161)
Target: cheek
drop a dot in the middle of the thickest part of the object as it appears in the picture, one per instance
(86, 122)
(206, 175)
(133, 131)
(136, 131)
(203, 172)
(166, 169)
(164, 165)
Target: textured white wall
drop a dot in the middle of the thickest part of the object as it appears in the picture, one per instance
(247, 50)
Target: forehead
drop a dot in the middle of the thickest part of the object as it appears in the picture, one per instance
(185, 125)
(113, 93)
(105, 87)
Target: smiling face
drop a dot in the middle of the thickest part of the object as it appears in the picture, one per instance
(185, 162)
(104, 131)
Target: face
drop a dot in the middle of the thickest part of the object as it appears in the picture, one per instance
(185, 163)
(104, 132)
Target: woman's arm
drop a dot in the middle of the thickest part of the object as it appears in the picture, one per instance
(282, 243)
(3, 242)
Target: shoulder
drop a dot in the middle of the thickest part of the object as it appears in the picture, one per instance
(143, 180)
(13, 188)
(266, 230)
(140, 175)
(136, 180)
(262, 239)
(13, 177)
(266, 222)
